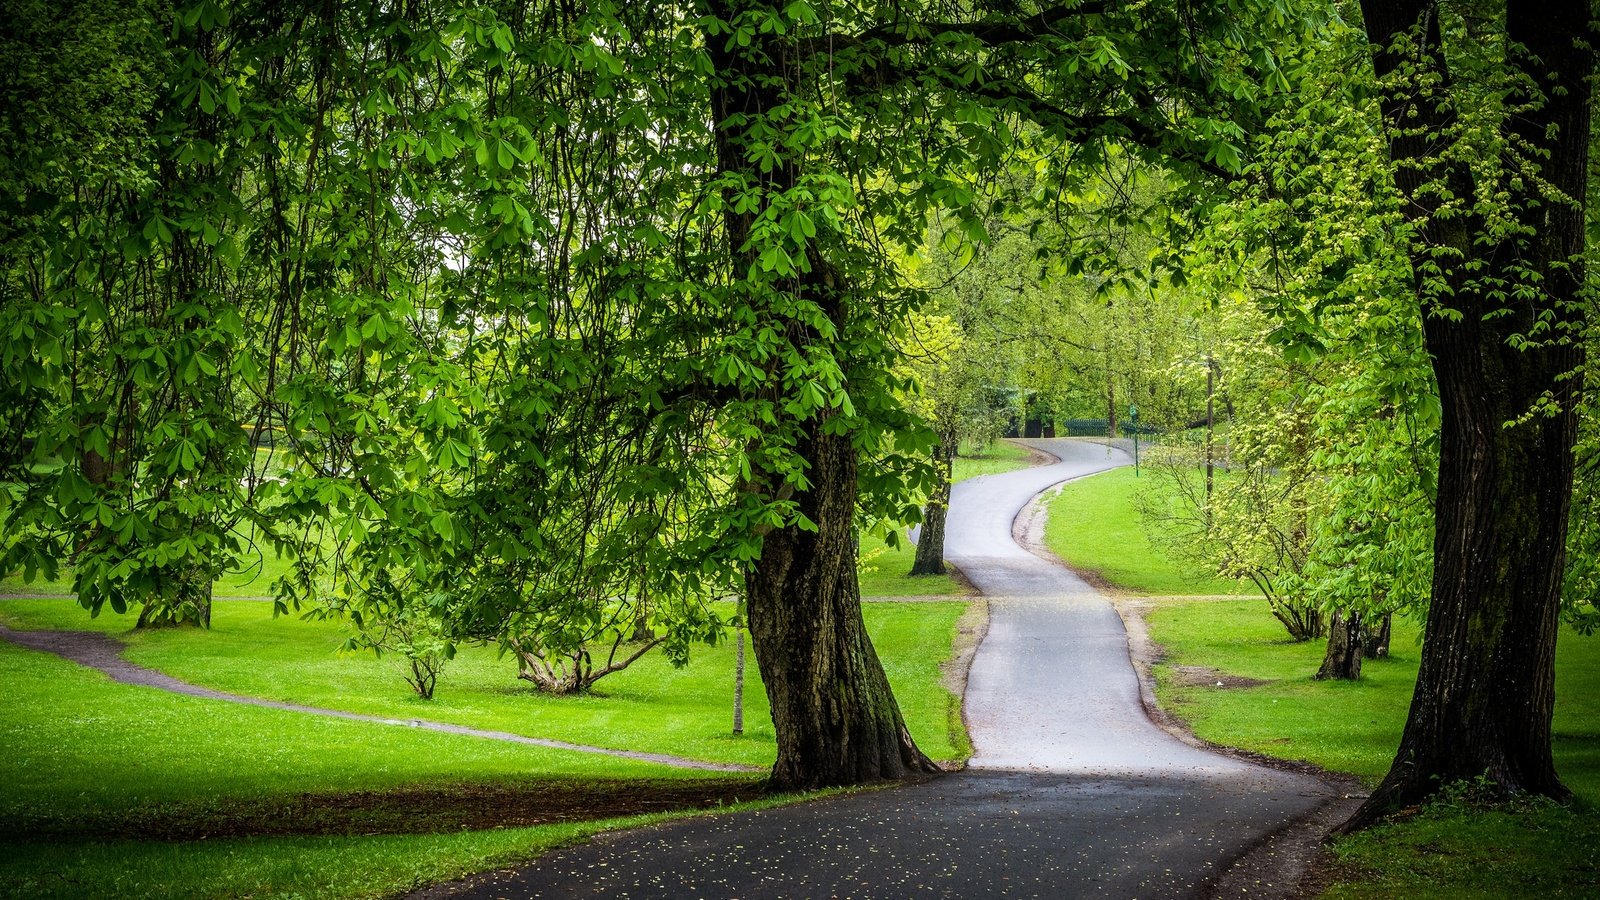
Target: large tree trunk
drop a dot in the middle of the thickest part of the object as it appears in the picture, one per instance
(1343, 659)
(930, 539)
(836, 720)
(1485, 689)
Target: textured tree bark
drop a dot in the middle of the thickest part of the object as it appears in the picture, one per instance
(574, 671)
(930, 540)
(1343, 659)
(835, 718)
(1485, 688)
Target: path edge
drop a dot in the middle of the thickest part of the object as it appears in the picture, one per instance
(1295, 852)
(1284, 862)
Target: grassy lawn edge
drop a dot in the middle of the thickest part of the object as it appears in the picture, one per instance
(343, 867)
(1458, 846)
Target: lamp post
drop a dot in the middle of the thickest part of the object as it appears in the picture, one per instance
(1133, 423)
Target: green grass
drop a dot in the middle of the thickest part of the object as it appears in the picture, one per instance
(1094, 525)
(1347, 726)
(991, 459)
(1456, 851)
(363, 867)
(85, 755)
(885, 569)
(1453, 848)
(80, 748)
(884, 573)
(650, 706)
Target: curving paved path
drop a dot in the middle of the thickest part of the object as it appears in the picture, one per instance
(1072, 791)
(1052, 688)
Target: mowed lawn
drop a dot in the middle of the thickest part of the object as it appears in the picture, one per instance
(1457, 847)
(1094, 525)
(86, 757)
(651, 706)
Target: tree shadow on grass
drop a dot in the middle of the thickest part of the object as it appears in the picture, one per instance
(432, 809)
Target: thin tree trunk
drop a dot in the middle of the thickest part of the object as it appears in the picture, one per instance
(193, 591)
(1211, 427)
(641, 630)
(930, 540)
(1111, 407)
(1485, 688)
(1343, 659)
(1375, 641)
(738, 685)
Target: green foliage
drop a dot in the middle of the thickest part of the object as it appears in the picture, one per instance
(548, 307)
(1250, 516)
(126, 346)
(1582, 585)
(412, 632)
(542, 335)
(1330, 444)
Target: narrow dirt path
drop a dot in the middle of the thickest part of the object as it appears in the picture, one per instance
(1072, 792)
(98, 651)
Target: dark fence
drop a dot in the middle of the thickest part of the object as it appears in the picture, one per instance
(1097, 428)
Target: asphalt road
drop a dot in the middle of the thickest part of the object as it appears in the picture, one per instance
(1051, 687)
(1072, 791)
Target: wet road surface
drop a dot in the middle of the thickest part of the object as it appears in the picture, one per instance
(1051, 688)
(1072, 792)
